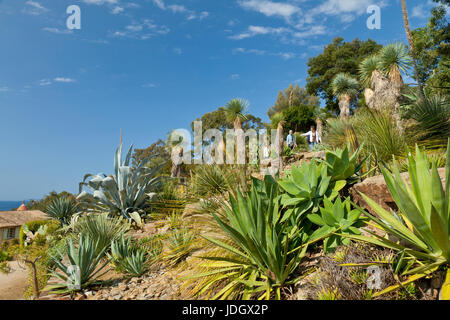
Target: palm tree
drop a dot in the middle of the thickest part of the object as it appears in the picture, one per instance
(393, 59)
(278, 121)
(374, 81)
(411, 48)
(235, 113)
(320, 117)
(345, 87)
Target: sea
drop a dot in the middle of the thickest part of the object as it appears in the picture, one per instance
(9, 205)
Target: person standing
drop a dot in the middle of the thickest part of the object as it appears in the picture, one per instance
(290, 140)
(313, 137)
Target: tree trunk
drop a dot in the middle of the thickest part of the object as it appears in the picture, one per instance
(280, 150)
(344, 106)
(319, 127)
(411, 48)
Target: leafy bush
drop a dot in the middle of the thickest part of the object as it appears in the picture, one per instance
(423, 218)
(101, 228)
(40, 230)
(62, 209)
(77, 267)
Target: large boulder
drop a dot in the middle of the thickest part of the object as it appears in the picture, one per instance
(376, 189)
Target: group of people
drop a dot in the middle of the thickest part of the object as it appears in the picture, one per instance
(313, 138)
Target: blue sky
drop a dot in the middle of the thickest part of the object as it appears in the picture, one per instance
(147, 67)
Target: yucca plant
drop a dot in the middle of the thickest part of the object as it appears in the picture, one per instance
(432, 119)
(77, 267)
(62, 209)
(394, 59)
(126, 191)
(422, 220)
(336, 217)
(179, 245)
(100, 227)
(305, 188)
(261, 257)
(346, 88)
(368, 69)
(378, 132)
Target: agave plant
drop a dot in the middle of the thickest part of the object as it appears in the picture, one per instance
(305, 189)
(128, 258)
(100, 227)
(126, 191)
(342, 166)
(77, 267)
(179, 245)
(334, 217)
(261, 255)
(62, 209)
(422, 220)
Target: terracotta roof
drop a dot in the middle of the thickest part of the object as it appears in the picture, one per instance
(22, 207)
(18, 218)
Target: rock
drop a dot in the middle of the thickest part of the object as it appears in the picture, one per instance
(190, 209)
(376, 189)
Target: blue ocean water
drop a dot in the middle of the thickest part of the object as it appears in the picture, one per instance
(9, 205)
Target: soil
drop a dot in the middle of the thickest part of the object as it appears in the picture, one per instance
(13, 284)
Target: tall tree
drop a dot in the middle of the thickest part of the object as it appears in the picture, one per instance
(292, 96)
(432, 44)
(411, 48)
(337, 57)
(345, 87)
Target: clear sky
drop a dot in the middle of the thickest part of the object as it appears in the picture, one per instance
(148, 66)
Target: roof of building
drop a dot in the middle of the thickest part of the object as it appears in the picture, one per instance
(22, 207)
(9, 219)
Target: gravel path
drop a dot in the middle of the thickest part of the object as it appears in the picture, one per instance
(13, 284)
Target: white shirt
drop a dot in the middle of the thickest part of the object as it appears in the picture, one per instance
(310, 134)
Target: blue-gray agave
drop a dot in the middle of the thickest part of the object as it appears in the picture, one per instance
(126, 191)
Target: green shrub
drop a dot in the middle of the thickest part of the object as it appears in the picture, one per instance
(101, 228)
(41, 227)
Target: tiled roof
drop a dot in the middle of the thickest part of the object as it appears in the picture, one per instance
(10, 219)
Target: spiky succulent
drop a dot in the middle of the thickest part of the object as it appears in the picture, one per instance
(366, 69)
(393, 59)
(345, 84)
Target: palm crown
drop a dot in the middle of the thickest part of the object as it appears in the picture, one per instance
(344, 84)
